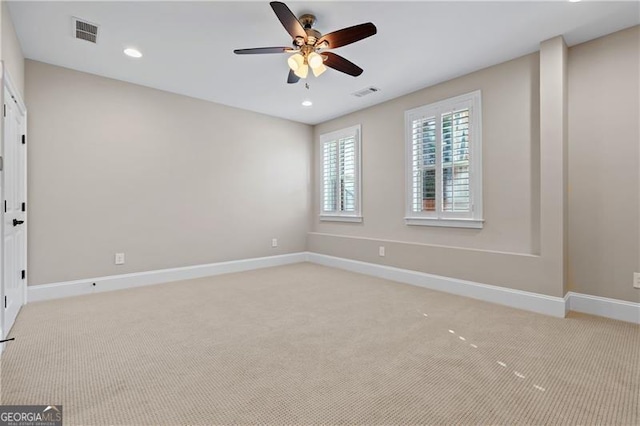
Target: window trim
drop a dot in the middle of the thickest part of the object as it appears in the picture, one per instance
(338, 216)
(473, 219)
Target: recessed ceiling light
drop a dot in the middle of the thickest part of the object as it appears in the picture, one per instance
(574, 1)
(134, 53)
(307, 103)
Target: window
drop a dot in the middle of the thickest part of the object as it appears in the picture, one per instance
(340, 175)
(444, 163)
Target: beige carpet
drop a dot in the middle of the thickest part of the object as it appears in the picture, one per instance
(305, 344)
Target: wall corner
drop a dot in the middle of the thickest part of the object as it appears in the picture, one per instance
(553, 161)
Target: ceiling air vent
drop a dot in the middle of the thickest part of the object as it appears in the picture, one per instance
(85, 30)
(365, 92)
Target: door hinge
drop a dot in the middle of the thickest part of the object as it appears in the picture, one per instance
(5, 206)
(24, 139)
(24, 207)
(23, 274)
(4, 110)
(1, 163)
(5, 302)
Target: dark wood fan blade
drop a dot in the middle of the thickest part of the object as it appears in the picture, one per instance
(261, 50)
(341, 64)
(348, 35)
(288, 20)
(293, 78)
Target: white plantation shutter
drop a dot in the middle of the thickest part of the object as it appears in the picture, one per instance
(329, 176)
(423, 163)
(455, 162)
(340, 174)
(347, 161)
(444, 168)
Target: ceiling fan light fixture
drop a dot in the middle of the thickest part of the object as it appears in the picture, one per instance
(319, 70)
(295, 61)
(308, 49)
(302, 71)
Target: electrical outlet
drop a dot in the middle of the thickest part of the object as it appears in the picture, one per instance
(381, 251)
(119, 258)
(274, 242)
(636, 279)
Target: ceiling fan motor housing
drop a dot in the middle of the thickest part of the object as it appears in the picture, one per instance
(307, 22)
(312, 37)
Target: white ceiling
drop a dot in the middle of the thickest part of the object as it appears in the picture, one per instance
(188, 46)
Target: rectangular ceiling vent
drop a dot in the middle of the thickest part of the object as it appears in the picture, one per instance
(85, 30)
(365, 92)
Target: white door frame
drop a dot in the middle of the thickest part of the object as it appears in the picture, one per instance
(7, 83)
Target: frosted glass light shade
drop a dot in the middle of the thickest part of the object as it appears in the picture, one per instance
(319, 70)
(302, 71)
(314, 60)
(295, 61)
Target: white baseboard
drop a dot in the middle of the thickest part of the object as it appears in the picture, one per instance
(59, 290)
(604, 307)
(549, 305)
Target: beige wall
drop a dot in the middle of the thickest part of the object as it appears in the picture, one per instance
(11, 50)
(604, 139)
(561, 176)
(510, 123)
(506, 252)
(168, 180)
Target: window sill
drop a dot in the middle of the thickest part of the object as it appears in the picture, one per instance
(331, 218)
(449, 223)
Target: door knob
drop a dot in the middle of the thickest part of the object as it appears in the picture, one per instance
(17, 222)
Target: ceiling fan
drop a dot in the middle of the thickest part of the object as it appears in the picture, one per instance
(309, 45)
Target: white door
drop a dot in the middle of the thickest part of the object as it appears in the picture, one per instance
(14, 206)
